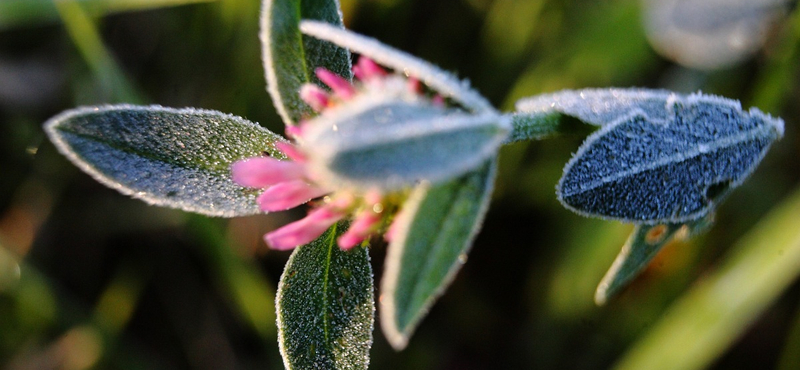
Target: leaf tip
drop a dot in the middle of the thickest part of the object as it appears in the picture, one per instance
(601, 294)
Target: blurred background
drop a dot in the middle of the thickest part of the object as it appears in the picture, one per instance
(90, 279)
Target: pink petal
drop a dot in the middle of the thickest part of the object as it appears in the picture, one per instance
(348, 241)
(414, 86)
(366, 69)
(360, 229)
(391, 231)
(294, 131)
(303, 231)
(291, 151)
(260, 172)
(314, 96)
(339, 85)
(286, 195)
(373, 196)
(343, 200)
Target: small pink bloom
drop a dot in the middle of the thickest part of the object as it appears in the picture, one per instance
(366, 69)
(414, 86)
(339, 85)
(289, 194)
(294, 131)
(303, 231)
(260, 172)
(361, 228)
(314, 96)
(291, 151)
(289, 184)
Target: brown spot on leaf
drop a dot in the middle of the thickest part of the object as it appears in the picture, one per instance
(656, 234)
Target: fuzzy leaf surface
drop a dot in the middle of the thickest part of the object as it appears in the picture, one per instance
(433, 235)
(325, 306)
(659, 156)
(391, 144)
(641, 247)
(178, 158)
(291, 58)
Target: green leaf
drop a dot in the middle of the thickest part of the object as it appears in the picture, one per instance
(291, 58)
(709, 318)
(538, 126)
(178, 158)
(433, 234)
(376, 141)
(325, 306)
(642, 246)
(659, 156)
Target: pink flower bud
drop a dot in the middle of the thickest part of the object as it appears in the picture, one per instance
(291, 151)
(303, 231)
(366, 69)
(361, 228)
(289, 194)
(314, 96)
(339, 85)
(260, 172)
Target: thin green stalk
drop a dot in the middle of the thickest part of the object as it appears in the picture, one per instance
(84, 34)
(20, 13)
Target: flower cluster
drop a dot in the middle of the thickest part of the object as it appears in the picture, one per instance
(291, 183)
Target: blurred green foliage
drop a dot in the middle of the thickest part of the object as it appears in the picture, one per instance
(92, 279)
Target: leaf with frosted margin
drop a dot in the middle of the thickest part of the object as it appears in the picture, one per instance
(659, 156)
(290, 58)
(641, 247)
(601, 107)
(178, 158)
(325, 306)
(538, 126)
(442, 82)
(374, 141)
(433, 233)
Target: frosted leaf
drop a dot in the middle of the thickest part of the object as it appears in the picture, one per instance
(543, 115)
(668, 164)
(390, 144)
(291, 58)
(600, 106)
(325, 306)
(178, 158)
(433, 234)
(435, 78)
(641, 247)
(710, 34)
